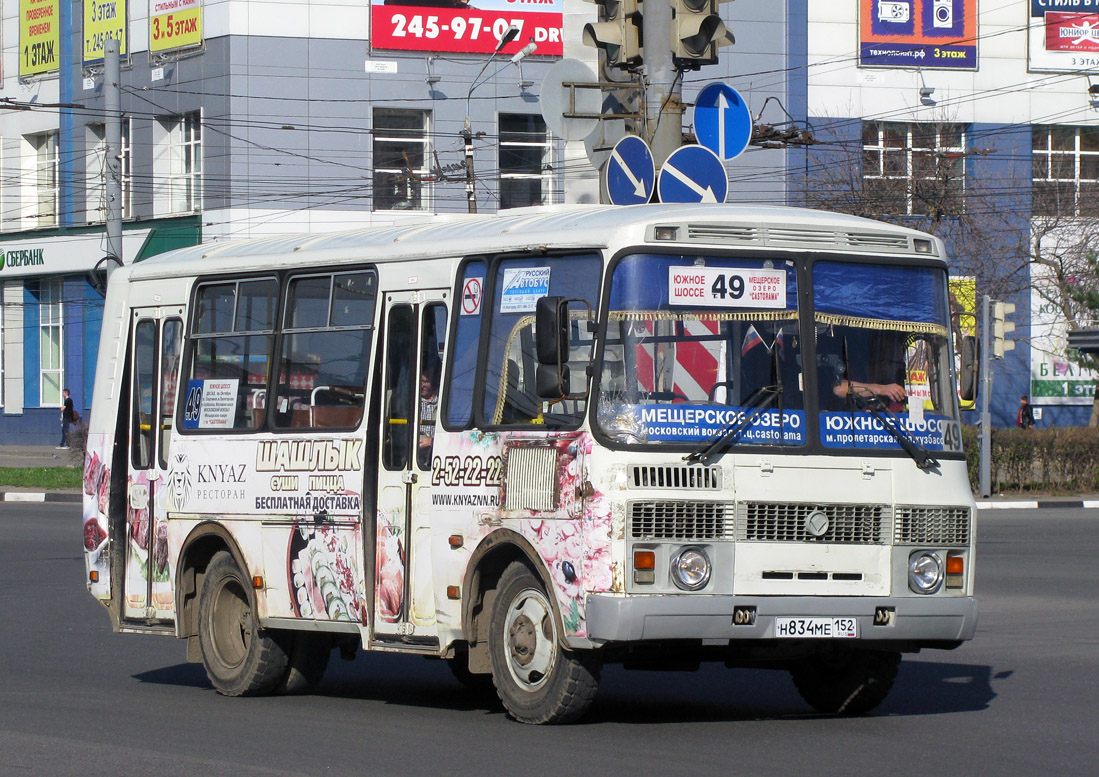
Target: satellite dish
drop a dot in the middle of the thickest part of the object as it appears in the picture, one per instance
(555, 99)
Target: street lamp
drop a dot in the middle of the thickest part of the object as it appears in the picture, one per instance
(467, 134)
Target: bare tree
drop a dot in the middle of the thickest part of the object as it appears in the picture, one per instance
(1012, 234)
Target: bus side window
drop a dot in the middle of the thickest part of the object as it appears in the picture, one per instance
(171, 341)
(462, 375)
(399, 366)
(509, 378)
(432, 338)
(144, 389)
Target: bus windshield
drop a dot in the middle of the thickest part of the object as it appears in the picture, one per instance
(881, 337)
(698, 346)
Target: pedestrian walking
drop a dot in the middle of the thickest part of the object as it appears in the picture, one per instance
(1025, 418)
(67, 411)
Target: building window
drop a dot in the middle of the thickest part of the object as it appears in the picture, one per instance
(44, 152)
(401, 151)
(525, 168)
(50, 346)
(177, 164)
(914, 169)
(1065, 164)
(95, 170)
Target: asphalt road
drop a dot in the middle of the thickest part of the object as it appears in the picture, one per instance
(1018, 700)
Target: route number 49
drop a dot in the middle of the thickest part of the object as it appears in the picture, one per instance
(727, 287)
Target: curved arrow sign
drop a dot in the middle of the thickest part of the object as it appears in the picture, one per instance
(693, 174)
(631, 172)
(722, 121)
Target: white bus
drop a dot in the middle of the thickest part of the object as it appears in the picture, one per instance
(534, 443)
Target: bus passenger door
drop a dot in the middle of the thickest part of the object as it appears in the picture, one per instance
(156, 338)
(404, 605)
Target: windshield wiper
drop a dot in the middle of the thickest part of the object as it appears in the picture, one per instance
(760, 399)
(876, 408)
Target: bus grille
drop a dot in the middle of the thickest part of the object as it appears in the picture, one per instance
(931, 526)
(531, 478)
(675, 520)
(685, 478)
(782, 522)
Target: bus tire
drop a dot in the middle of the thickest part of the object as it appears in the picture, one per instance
(846, 681)
(240, 658)
(536, 678)
(306, 662)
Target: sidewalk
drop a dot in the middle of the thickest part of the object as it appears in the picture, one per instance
(37, 456)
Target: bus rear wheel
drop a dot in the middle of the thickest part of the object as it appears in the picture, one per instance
(537, 679)
(846, 680)
(306, 662)
(240, 658)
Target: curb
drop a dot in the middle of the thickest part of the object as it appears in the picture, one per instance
(39, 496)
(1042, 504)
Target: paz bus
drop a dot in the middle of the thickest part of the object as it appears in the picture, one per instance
(535, 443)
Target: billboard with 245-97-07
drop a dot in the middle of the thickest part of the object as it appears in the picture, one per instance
(925, 34)
(465, 26)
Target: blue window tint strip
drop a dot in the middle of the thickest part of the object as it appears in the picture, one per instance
(469, 312)
(641, 280)
(915, 294)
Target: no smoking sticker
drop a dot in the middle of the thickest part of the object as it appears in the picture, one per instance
(471, 296)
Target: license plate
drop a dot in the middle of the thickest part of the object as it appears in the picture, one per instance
(816, 628)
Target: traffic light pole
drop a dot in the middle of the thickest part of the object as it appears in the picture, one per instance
(663, 90)
(985, 463)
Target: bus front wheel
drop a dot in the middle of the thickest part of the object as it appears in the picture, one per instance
(536, 678)
(845, 680)
(240, 658)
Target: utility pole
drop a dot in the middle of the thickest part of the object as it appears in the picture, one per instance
(664, 91)
(985, 464)
(112, 103)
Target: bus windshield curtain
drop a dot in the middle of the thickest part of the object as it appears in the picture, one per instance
(887, 293)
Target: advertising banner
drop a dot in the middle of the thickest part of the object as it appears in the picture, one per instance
(963, 322)
(466, 26)
(1063, 35)
(1054, 378)
(104, 20)
(926, 34)
(39, 37)
(174, 24)
(692, 423)
(863, 431)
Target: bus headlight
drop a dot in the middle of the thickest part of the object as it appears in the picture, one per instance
(925, 573)
(691, 569)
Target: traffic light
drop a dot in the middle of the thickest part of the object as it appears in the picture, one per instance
(1001, 328)
(619, 34)
(697, 31)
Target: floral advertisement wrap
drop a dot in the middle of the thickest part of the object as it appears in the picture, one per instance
(97, 482)
(573, 540)
(323, 569)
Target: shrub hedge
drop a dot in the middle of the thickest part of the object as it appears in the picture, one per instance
(1061, 460)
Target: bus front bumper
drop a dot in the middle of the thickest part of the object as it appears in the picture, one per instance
(925, 619)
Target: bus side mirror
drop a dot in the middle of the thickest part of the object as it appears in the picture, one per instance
(551, 382)
(968, 376)
(551, 331)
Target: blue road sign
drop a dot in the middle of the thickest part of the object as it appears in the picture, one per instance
(631, 172)
(693, 174)
(722, 121)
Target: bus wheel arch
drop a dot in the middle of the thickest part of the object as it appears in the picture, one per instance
(486, 564)
(204, 541)
(512, 618)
